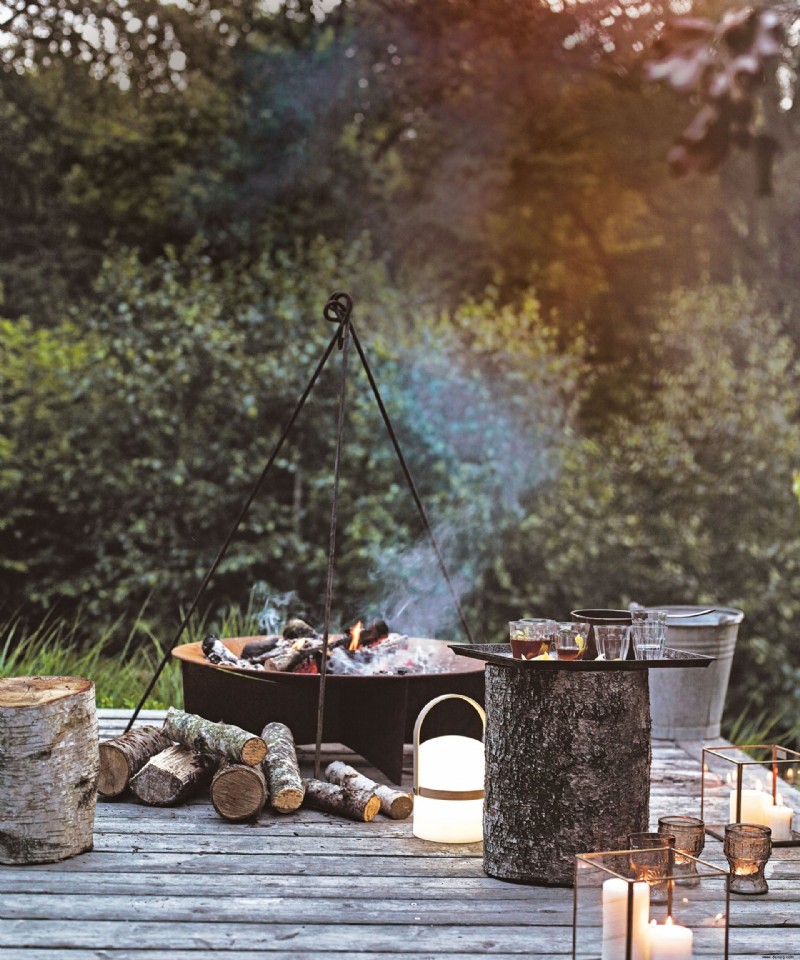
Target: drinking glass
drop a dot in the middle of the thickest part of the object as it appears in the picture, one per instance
(690, 837)
(530, 638)
(571, 640)
(747, 848)
(612, 642)
(651, 860)
(648, 639)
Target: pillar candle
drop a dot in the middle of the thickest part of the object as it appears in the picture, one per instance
(754, 807)
(779, 820)
(615, 920)
(670, 941)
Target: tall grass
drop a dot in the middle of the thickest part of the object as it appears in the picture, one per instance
(120, 664)
(120, 671)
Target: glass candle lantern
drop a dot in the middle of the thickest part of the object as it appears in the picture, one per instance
(615, 917)
(649, 863)
(448, 782)
(747, 848)
(756, 783)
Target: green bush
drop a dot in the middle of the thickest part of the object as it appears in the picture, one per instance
(134, 429)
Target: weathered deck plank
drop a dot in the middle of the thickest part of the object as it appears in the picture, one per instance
(182, 884)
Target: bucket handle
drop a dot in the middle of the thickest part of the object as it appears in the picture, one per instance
(443, 794)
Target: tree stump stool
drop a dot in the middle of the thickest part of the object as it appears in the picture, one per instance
(48, 768)
(567, 768)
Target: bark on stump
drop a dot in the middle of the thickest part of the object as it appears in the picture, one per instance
(125, 756)
(286, 786)
(238, 792)
(48, 768)
(222, 740)
(567, 768)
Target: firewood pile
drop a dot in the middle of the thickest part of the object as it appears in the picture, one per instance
(360, 649)
(163, 766)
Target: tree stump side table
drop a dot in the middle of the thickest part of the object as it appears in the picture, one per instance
(48, 768)
(567, 760)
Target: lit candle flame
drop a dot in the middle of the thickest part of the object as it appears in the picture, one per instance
(355, 636)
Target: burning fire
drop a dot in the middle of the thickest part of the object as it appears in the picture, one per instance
(355, 636)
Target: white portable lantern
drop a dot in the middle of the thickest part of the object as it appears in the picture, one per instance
(448, 783)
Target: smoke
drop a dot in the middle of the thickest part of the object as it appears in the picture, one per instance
(497, 439)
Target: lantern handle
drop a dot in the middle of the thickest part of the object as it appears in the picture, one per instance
(418, 727)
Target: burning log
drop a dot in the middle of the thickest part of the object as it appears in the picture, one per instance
(172, 775)
(223, 740)
(216, 651)
(125, 756)
(238, 792)
(356, 804)
(257, 648)
(360, 636)
(394, 803)
(286, 787)
(288, 659)
(297, 629)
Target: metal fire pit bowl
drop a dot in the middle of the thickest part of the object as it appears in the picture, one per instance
(372, 714)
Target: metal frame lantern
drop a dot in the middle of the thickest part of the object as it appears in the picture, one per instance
(755, 783)
(617, 917)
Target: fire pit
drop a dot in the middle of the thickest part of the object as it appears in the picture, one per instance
(372, 714)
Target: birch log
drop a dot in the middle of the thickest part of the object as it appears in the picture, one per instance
(172, 776)
(286, 787)
(394, 803)
(238, 792)
(223, 740)
(125, 756)
(48, 768)
(356, 804)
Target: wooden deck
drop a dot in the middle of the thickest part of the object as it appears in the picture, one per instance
(180, 883)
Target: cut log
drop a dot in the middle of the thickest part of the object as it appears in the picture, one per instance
(223, 740)
(48, 768)
(172, 776)
(238, 792)
(286, 787)
(394, 803)
(125, 756)
(292, 657)
(355, 804)
(567, 768)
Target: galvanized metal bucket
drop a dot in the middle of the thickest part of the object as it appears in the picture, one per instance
(688, 704)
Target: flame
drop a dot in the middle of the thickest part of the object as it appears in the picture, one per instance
(668, 922)
(298, 644)
(355, 636)
(790, 774)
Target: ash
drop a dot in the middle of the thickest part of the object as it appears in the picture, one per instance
(397, 655)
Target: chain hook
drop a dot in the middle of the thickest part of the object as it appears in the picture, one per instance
(338, 310)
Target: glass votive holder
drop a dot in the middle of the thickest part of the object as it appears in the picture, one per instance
(690, 838)
(648, 638)
(612, 642)
(571, 640)
(747, 847)
(649, 863)
(530, 638)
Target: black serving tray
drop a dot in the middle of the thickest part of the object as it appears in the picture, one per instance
(500, 655)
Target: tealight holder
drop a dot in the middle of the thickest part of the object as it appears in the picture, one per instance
(690, 838)
(747, 848)
(755, 783)
(615, 917)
